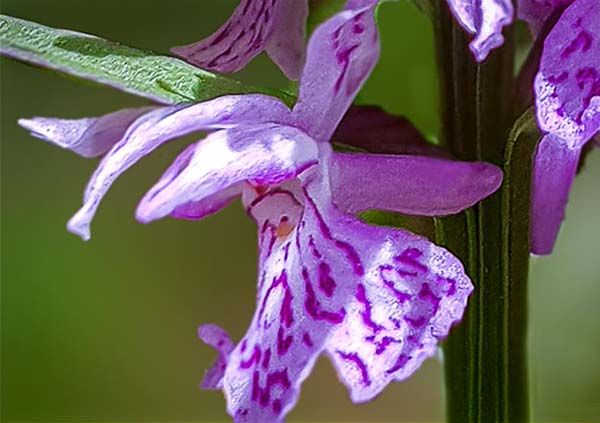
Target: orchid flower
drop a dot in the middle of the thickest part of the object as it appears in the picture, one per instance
(277, 26)
(567, 89)
(375, 300)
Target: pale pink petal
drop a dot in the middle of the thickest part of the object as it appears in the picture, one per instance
(155, 128)
(262, 155)
(341, 54)
(554, 169)
(88, 137)
(415, 185)
(485, 19)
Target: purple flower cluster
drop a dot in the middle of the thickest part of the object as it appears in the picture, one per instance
(566, 88)
(375, 300)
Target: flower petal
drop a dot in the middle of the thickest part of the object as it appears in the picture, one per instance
(317, 268)
(265, 155)
(413, 185)
(341, 54)
(374, 130)
(88, 137)
(554, 169)
(286, 44)
(155, 128)
(485, 19)
(277, 25)
(535, 12)
(567, 85)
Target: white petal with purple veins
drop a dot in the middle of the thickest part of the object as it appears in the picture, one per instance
(262, 156)
(88, 137)
(155, 128)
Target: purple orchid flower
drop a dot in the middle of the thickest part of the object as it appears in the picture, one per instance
(376, 300)
(485, 19)
(277, 26)
(567, 89)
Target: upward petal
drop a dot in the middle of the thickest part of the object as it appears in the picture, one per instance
(416, 185)
(277, 25)
(485, 19)
(88, 137)
(286, 45)
(155, 128)
(341, 54)
(567, 86)
(264, 155)
(376, 299)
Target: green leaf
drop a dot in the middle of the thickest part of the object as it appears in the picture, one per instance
(144, 73)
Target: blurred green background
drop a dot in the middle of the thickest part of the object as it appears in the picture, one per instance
(106, 330)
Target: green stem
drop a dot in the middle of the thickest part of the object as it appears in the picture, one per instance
(485, 357)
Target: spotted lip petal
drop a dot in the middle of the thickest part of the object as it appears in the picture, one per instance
(377, 300)
(485, 19)
(159, 126)
(341, 54)
(255, 25)
(261, 155)
(410, 184)
(554, 170)
(567, 86)
(88, 137)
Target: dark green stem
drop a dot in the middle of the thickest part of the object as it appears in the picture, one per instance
(485, 357)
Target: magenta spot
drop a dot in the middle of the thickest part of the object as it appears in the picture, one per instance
(361, 296)
(384, 343)
(585, 76)
(553, 79)
(244, 345)
(286, 251)
(582, 42)
(402, 297)
(313, 307)
(358, 28)
(409, 258)
(254, 358)
(307, 340)
(416, 322)
(315, 252)
(425, 293)
(450, 285)
(354, 358)
(277, 406)
(285, 313)
(400, 363)
(283, 343)
(326, 282)
(255, 386)
(352, 257)
(266, 358)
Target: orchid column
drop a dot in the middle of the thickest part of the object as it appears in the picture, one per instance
(485, 357)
